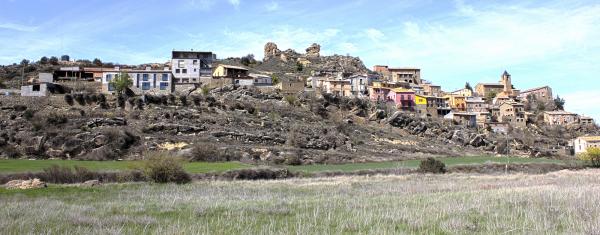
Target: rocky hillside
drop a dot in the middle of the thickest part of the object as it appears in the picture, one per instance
(236, 123)
(289, 64)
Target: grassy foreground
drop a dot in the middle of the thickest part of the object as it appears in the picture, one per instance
(14, 166)
(559, 202)
(415, 163)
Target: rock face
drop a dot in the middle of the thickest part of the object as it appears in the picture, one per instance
(313, 50)
(271, 51)
(25, 184)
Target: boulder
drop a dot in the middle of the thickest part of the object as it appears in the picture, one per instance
(25, 184)
(55, 153)
(100, 140)
(91, 183)
(96, 122)
(478, 141)
(377, 115)
(313, 50)
(271, 51)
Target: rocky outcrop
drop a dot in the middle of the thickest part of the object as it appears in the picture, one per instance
(97, 122)
(313, 50)
(271, 51)
(174, 128)
(25, 184)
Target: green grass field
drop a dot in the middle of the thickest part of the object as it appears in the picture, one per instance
(562, 202)
(14, 166)
(415, 163)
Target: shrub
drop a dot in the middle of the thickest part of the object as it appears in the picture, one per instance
(10, 152)
(431, 165)
(162, 168)
(183, 100)
(172, 99)
(101, 98)
(197, 100)
(208, 152)
(55, 119)
(290, 99)
(80, 99)
(164, 100)
(28, 114)
(121, 101)
(69, 99)
(205, 90)
(592, 156)
(139, 104)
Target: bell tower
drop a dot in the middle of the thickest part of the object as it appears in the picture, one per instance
(506, 81)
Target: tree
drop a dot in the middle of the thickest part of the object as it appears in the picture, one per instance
(44, 60)
(65, 58)
(24, 62)
(591, 155)
(53, 60)
(274, 79)
(247, 60)
(559, 103)
(121, 82)
(490, 96)
(97, 62)
(468, 86)
(299, 67)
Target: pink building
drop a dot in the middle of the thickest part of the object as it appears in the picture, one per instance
(403, 98)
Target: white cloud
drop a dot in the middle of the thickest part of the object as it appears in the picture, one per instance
(235, 3)
(272, 6)
(584, 103)
(347, 47)
(201, 4)
(18, 27)
(374, 34)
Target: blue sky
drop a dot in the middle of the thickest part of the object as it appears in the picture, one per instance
(539, 42)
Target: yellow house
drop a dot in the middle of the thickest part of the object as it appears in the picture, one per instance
(421, 104)
(457, 102)
(419, 99)
(230, 71)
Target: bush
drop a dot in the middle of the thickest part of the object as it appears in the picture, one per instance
(183, 100)
(69, 99)
(208, 152)
(162, 168)
(197, 100)
(172, 99)
(80, 99)
(28, 114)
(431, 165)
(592, 156)
(290, 99)
(121, 101)
(55, 119)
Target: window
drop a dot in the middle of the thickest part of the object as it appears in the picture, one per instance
(165, 77)
(164, 85)
(181, 63)
(184, 71)
(145, 86)
(195, 70)
(177, 70)
(108, 77)
(195, 62)
(145, 77)
(36, 87)
(111, 87)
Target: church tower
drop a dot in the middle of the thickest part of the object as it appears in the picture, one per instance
(505, 80)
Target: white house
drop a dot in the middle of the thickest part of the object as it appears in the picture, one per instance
(359, 85)
(144, 81)
(581, 144)
(189, 66)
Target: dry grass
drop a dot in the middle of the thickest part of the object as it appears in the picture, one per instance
(559, 202)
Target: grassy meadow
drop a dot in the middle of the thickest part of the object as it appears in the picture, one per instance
(16, 166)
(555, 203)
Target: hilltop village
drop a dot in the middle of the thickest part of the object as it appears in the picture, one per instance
(301, 102)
